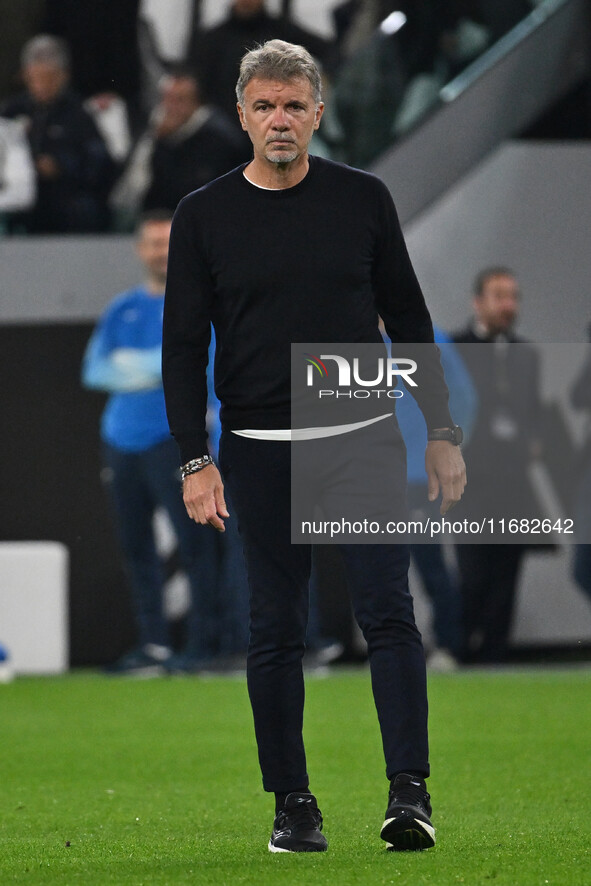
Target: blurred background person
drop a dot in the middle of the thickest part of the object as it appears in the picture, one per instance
(433, 561)
(581, 399)
(74, 171)
(504, 437)
(436, 572)
(17, 172)
(186, 145)
(216, 52)
(141, 473)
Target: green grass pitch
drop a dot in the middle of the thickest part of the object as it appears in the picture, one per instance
(126, 782)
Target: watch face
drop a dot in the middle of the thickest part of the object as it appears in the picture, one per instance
(454, 435)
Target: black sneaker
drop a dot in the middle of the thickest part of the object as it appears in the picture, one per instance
(297, 826)
(407, 824)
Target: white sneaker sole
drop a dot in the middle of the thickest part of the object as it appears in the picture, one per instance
(273, 848)
(415, 836)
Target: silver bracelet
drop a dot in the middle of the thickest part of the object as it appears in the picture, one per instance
(196, 464)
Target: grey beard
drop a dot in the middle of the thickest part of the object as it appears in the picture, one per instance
(282, 156)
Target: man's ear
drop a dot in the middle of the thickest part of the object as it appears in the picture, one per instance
(319, 113)
(241, 115)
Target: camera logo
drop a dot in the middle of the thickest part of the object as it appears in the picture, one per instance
(348, 374)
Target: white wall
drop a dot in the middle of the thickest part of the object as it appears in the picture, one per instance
(527, 206)
(63, 279)
(34, 606)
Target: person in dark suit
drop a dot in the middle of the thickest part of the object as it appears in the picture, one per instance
(74, 171)
(505, 375)
(581, 399)
(187, 144)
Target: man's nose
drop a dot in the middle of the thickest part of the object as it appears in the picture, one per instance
(280, 120)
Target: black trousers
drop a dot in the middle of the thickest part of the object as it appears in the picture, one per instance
(257, 476)
(488, 586)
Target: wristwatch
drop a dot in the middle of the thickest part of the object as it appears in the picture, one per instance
(453, 435)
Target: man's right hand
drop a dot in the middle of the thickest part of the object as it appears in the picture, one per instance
(203, 495)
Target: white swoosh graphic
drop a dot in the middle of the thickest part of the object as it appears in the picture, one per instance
(334, 430)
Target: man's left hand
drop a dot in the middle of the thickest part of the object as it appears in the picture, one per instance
(446, 473)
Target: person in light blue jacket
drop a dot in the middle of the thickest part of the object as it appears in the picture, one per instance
(437, 578)
(123, 358)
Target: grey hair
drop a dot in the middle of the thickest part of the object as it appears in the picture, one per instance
(47, 49)
(278, 60)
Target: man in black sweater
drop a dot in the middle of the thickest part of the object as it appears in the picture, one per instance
(292, 248)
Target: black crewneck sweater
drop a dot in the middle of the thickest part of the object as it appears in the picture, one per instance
(313, 263)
